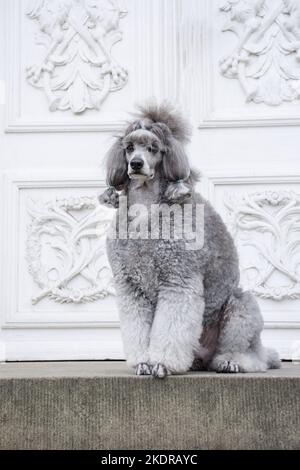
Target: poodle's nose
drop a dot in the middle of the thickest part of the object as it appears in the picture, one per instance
(136, 163)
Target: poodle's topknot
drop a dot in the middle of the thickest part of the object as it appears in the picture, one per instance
(167, 114)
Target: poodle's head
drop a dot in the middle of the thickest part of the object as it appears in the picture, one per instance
(152, 144)
(144, 150)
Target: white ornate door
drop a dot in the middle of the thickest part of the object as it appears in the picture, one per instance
(70, 71)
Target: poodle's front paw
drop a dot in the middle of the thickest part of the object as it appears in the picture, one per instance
(143, 369)
(160, 371)
(228, 367)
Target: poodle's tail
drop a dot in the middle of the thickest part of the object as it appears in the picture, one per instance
(273, 359)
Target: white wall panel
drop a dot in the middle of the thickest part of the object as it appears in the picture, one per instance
(57, 270)
(250, 63)
(143, 41)
(262, 212)
(245, 114)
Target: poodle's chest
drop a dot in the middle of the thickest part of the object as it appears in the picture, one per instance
(140, 255)
(139, 264)
(146, 263)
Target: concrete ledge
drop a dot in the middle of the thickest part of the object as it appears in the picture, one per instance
(98, 405)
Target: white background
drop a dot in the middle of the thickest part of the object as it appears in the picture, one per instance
(248, 153)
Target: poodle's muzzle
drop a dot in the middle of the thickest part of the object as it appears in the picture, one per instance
(141, 165)
(138, 168)
(143, 153)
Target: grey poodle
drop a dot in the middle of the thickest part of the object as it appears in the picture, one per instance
(181, 309)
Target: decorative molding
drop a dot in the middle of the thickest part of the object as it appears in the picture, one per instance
(46, 344)
(281, 318)
(151, 37)
(54, 222)
(77, 70)
(214, 178)
(85, 331)
(16, 120)
(216, 184)
(77, 246)
(255, 39)
(268, 223)
(266, 58)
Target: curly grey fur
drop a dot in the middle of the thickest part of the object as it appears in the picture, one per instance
(167, 114)
(180, 309)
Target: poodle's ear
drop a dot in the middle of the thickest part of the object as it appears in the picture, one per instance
(177, 171)
(175, 162)
(116, 166)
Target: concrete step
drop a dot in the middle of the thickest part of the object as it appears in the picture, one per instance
(101, 405)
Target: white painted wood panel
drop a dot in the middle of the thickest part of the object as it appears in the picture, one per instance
(70, 72)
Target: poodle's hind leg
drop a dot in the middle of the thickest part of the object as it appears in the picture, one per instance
(239, 346)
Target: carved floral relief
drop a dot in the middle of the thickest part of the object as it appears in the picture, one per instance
(77, 70)
(66, 249)
(266, 228)
(266, 57)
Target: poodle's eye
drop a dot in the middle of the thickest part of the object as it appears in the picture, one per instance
(130, 148)
(152, 149)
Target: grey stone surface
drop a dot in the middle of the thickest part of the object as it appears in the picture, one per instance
(10, 370)
(101, 405)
